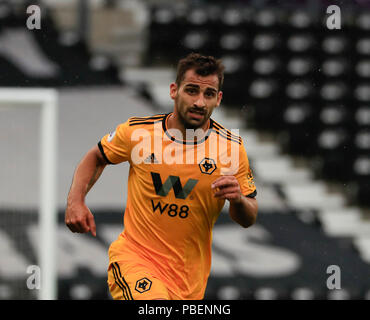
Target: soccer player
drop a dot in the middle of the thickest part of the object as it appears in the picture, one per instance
(178, 183)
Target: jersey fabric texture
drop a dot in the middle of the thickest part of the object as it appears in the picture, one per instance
(170, 208)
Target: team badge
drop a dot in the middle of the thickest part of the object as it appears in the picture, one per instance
(207, 166)
(250, 178)
(143, 285)
(111, 136)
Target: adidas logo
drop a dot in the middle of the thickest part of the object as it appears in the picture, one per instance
(151, 159)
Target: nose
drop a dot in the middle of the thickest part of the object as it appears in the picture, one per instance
(200, 102)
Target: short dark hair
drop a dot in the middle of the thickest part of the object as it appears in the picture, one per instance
(203, 66)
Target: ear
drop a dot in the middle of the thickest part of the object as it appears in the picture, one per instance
(219, 98)
(173, 90)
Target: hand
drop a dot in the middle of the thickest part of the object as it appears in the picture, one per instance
(227, 187)
(79, 218)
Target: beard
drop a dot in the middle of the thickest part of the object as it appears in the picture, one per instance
(193, 123)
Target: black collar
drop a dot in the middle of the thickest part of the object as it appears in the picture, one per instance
(164, 126)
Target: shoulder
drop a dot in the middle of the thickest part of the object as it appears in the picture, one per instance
(230, 135)
(145, 121)
(134, 123)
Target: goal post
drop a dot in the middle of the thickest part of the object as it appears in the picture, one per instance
(47, 100)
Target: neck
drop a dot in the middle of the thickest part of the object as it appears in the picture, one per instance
(174, 122)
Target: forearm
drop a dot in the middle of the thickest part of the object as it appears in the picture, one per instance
(86, 174)
(244, 212)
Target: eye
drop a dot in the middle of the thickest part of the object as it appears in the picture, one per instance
(191, 90)
(210, 94)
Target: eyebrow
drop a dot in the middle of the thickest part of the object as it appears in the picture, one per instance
(197, 87)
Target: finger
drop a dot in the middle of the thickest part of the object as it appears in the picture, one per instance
(231, 196)
(224, 178)
(82, 226)
(225, 182)
(226, 190)
(75, 227)
(91, 224)
(71, 227)
(69, 223)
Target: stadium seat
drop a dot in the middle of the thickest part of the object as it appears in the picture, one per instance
(233, 18)
(362, 69)
(267, 66)
(165, 25)
(236, 79)
(265, 97)
(363, 46)
(299, 122)
(301, 66)
(266, 42)
(197, 41)
(302, 42)
(334, 91)
(299, 90)
(335, 45)
(335, 67)
(233, 42)
(267, 18)
(300, 20)
(362, 117)
(335, 148)
(362, 92)
(363, 22)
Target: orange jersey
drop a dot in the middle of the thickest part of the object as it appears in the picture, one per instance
(170, 209)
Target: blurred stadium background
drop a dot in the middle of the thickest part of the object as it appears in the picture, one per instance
(298, 92)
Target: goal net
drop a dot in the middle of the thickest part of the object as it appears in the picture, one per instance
(28, 137)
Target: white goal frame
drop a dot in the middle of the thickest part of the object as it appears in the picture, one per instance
(47, 100)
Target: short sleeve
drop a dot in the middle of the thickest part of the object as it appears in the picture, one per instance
(245, 175)
(116, 146)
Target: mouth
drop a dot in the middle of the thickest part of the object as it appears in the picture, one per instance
(196, 114)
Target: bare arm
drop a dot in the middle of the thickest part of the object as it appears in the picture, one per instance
(78, 217)
(243, 210)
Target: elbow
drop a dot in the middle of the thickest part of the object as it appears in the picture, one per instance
(250, 217)
(246, 220)
(249, 222)
(245, 216)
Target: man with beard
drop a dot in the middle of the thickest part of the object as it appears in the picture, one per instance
(164, 251)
